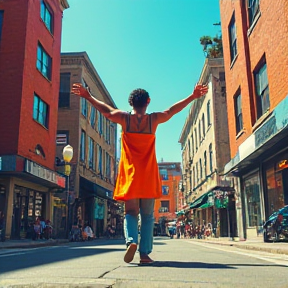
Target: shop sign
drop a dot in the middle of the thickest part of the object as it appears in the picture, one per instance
(282, 165)
(43, 173)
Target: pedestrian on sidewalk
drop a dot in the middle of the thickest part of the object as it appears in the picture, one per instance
(138, 183)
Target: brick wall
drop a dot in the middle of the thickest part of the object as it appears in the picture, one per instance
(19, 79)
(267, 37)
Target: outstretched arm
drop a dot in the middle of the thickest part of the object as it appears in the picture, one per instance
(115, 115)
(164, 116)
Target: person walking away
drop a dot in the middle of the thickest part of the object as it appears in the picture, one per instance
(138, 182)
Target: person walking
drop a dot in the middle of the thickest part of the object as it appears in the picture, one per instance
(138, 182)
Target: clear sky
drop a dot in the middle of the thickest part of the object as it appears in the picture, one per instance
(149, 44)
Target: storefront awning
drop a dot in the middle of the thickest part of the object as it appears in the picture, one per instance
(218, 197)
(203, 201)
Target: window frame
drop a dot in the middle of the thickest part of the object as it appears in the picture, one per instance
(40, 65)
(83, 146)
(232, 39)
(45, 10)
(261, 109)
(91, 153)
(36, 116)
(211, 158)
(253, 10)
(238, 112)
(64, 96)
(209, 113)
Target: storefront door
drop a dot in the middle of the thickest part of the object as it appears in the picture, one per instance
(27, 206)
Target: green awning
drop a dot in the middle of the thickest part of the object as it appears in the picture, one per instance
(204, 201)
(180, 213)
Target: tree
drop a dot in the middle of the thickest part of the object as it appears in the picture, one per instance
(212, 47)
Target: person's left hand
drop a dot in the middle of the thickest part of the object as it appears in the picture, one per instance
(200, 90)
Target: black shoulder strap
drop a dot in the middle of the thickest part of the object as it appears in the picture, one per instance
(128, 122)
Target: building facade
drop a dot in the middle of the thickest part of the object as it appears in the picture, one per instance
(205, 151)
(29, 79)
(256, 68)
(94, 139)
(166, 206)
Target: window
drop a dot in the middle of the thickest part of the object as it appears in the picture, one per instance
(205, 164)
(262, 90)
(208, 113)
(194, 177)
(163, 174)
(253, 9)
(99, 159)
(64, 93)
(1, 21)
(164, 207)
(62, 137)
(46, 16)
(201, 169)
(238, 113)
(40, 111)
(233, 38)
(196, 143)
(192, 142)
(100, 122)
(92, 116)
(91, 155)
(83, 146)
(107, 165)
(165, 190)
(44, 62)
(203, 125)
(199, 131)
(197, 174)
(252, 198)
(84, 106)
(211, 158)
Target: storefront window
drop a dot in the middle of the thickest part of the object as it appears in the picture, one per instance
(253, 203)
(275, 195)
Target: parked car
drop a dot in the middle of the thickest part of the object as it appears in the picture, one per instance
(276, 227)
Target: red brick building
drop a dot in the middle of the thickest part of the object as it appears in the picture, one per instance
(30, 40)
(166, 206)
(255, 36)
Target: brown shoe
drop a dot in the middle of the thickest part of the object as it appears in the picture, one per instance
(145, 260)
(130, 252)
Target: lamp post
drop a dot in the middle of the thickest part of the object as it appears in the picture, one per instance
(67, 157)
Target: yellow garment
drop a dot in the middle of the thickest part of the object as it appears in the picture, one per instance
(138, 173)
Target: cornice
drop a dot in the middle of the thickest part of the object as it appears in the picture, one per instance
(63, 4)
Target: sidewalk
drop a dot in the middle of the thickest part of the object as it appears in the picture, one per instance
(28, 243)
(250, 244)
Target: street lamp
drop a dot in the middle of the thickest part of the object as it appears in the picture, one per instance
(67, 157)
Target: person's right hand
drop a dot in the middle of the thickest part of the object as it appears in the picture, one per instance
(80, 90)
(200, 90)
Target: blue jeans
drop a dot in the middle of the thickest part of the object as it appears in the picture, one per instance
(146, 209)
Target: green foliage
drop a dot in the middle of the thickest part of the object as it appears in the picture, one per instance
(212, 47)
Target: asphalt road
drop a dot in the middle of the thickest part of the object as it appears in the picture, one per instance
(179, 263)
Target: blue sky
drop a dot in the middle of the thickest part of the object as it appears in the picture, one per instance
(149, 44)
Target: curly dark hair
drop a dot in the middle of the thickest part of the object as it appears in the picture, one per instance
(138, 98)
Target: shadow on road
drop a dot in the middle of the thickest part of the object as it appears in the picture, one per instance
(202, 265)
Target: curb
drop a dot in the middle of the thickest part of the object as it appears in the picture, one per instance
(251, 247)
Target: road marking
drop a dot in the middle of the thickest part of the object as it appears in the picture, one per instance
(269, 257)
